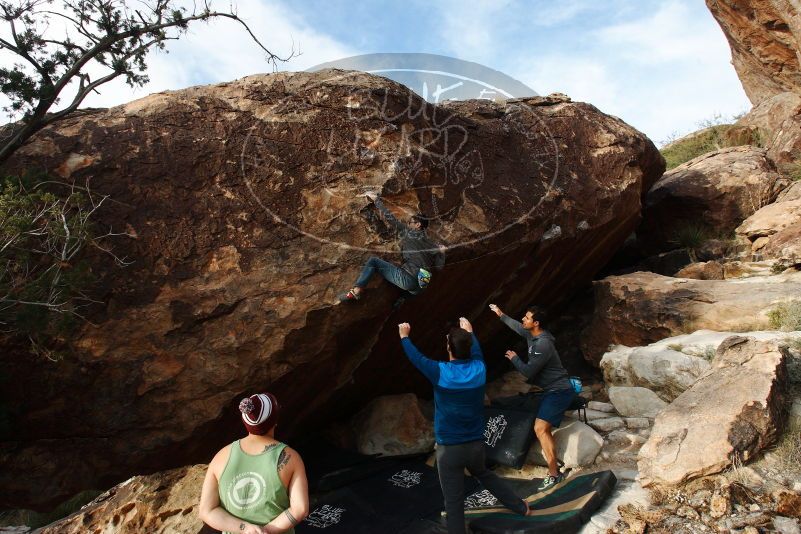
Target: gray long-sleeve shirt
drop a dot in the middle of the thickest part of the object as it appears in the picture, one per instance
(417, 249)
(543, 368)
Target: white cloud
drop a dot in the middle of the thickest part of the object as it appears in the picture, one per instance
(470, 32)
(672, 33)
(581, 78)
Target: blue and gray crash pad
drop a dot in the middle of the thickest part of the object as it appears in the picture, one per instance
(562, 509)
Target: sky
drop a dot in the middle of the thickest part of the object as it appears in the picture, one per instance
(663, 66)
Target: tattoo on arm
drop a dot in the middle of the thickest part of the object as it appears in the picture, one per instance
(283, 459)
(241, 526)
(291, 518)
(270, 446)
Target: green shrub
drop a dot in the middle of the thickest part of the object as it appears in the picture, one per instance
(45, 228)
(786, 316)
(694, 145)
(709, 352)
(788, 449)
(691, 236)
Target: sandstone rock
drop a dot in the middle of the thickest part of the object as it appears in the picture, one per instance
(607, 425)
(765, 39)
(393, 425)
(774, 122)
(577, 445)
(623, 437)
(243, 200)
(775, 231)
(162, 502)
(791, 193)
(640, 308)
(714, 249)
(601, 406)
(707, 270)
(786, 525)
(734, 411)
(714, 192)
(769, 115)
(665, 371)
(747, 269)
(787, 503)
(671, 365)
(637, 423)
(635, 401)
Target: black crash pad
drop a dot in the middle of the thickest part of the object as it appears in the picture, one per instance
(508, 434)
(388, 501)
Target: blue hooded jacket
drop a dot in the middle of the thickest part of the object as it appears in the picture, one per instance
(458, 393)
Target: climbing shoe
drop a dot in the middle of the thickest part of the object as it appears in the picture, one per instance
(349, 296)
(550, 481)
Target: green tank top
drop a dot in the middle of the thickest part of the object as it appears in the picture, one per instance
(250, 488)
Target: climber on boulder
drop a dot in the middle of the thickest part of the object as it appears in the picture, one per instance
(420, 256)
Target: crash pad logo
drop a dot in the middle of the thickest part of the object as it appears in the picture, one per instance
(324, 517)
(480, 499)
(411, 146)
(246, 490)
(406, 478)
(495, 429)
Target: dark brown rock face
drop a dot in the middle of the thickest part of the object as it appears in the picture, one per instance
(241, 198)
(765, 40)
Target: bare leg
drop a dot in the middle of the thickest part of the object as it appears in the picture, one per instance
(542, 429)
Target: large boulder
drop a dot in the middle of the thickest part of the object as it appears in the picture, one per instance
(712, 193)
(162, 502)
(666, 372)
(641, 308)
(577, 445)
(240, 206)
(635, 401)
(728, 415)
(672, 365)
(774, 232)
(765, 41)
(393, 425)
(776, 124)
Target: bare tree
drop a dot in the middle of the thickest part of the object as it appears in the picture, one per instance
(109, 33)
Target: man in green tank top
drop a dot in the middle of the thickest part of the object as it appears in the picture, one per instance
(255, 485)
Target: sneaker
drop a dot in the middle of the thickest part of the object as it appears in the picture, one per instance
(550, 481)
(349, 296)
